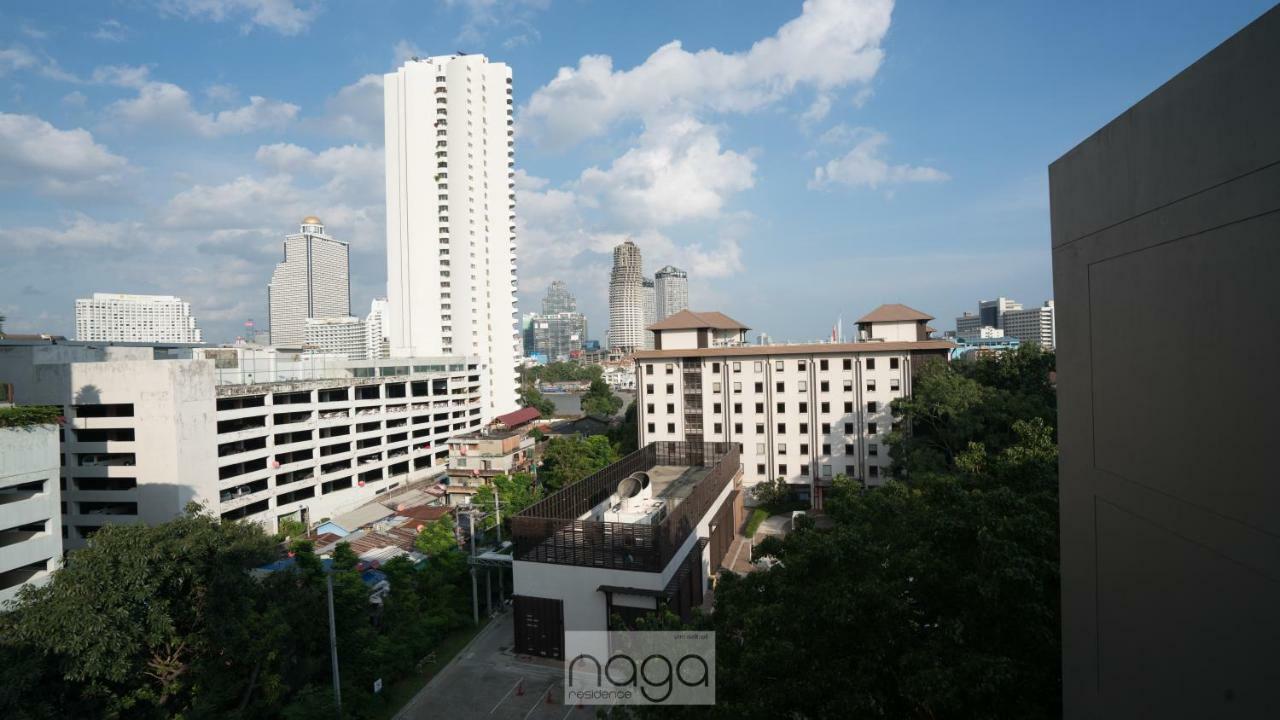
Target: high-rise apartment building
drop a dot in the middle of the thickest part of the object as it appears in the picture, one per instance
(450, 168)
(345, 336)
(671, 284)
(804, 412)
(313, 281)
(114, 317)
(626, 299)
(991, 312)
(558, 336)
(30, 521)
(649, 301)
(558, 299)
(1036, 325)
(375, 327)
(1164, 236)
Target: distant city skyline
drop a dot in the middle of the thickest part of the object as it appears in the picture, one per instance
(129, 167)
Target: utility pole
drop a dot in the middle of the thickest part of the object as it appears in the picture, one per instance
(475, 589)
(497, 509)
(333, 646)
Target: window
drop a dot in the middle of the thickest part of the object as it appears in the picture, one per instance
(804, 469)
(826, 428)
(737, 428)
(717, 428)
(848, 364)
(715, 367)
(782, 428)
(760, 469)
(848, 407)
(871, 428)
(822, 364)
(871, 406)
(759, 366)
(826, 471)
(804, 428)
(778, 366)
(670, 368)
(782, 470)
(759, 448)
(649, 408)
(848, 449)
(782, 407)
(648, 389)
(824, 407)
(893, 363)
(873, 449)
(715, 408)
(737, 366)
(804, 407)
(851, 471)
(804, 448)
(780, 386)
(648, 369)
(650, 428)
(759, 407)
(800, 366)
(715, 387)
(804, 386)
(671, 408)
(759, 387)
(737, 408)
(848, 386)
(671, 427)
(871, 386)
(848, 428)
(871, 363)
(826, 448)
(759, 428)
(895, 384)
(782, 448)
(737, 387)
(671, 389)
(873, 471)
(824, 386)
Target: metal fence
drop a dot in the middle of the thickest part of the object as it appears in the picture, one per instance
(549, 531)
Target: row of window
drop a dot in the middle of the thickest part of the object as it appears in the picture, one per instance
(717, 428)
(849, 470)
(780, 365)
(802, 407)
(781, 386)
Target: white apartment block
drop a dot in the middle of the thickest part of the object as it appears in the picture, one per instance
(345, 336)
(115, 317)
(1033, 325)
(626, 299)
(671, 285)
(450, 171)
(649, 298)
(250, 433)
(375, 326)
(804, 412)
(313, 281)
(30, 527)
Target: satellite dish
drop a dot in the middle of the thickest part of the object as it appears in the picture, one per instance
(632, 485)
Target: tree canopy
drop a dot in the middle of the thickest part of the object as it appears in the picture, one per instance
(530, 397)
(567, 460)
(600, 400)
(437, 537)
(515, 493)
(570, 371)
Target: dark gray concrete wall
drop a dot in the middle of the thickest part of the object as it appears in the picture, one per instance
(1166, 264)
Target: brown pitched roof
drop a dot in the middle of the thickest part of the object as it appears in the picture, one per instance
(814, 349)
(690, 320)
(894, 313)
(519, 417)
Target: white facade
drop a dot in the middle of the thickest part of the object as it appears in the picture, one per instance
(671, 285)
(313, 281)
(345, 336)
(144, 437)
(649, 298)
(115, 317)
(30, 527)
(450, 171)
(1033, 325)
(376, 345)
(626, 299)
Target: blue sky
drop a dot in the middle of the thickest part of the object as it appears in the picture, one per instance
(800, 161)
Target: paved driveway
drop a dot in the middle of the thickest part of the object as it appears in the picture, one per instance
(487, 682)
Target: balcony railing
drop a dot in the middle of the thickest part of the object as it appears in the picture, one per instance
(550, 531)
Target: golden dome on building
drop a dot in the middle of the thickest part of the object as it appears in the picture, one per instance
(311, 220)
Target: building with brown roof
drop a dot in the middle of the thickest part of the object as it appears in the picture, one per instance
(689, 329)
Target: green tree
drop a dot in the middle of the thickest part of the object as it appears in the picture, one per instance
(600, 400)
(570, 459)
(530, 397)
(515, 493)
(571, 371)
(625, 436)
(437, 537)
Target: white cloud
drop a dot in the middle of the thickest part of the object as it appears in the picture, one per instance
(222, 93)
(34, 32)
(819, 109)
(16, 58)
(75, 99)
(111, 30)
(167, 106)
(404, 50)
(834, 43)
(76, 231)
(34, 153)
(863, 165)
(487, 16)
(355, 111)
(286, 17)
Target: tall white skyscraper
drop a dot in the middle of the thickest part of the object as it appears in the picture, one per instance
(114, 317)
(375, 328)
(671, 284)
(649, 300)
(450, 162)
(313, 281)
(626, 299)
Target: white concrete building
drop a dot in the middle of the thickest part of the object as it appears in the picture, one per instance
(671, 284)
(1033, 325)
(345, 336)
(30, 527)
(805, 412)
(116, 317)
(991, 312)
(313, 281)
(251, 433)
(644, 534)
(626, 299)
(649, 298)
(377, 345)
(450, 169)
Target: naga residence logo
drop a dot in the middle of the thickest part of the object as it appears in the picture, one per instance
(640, 668)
